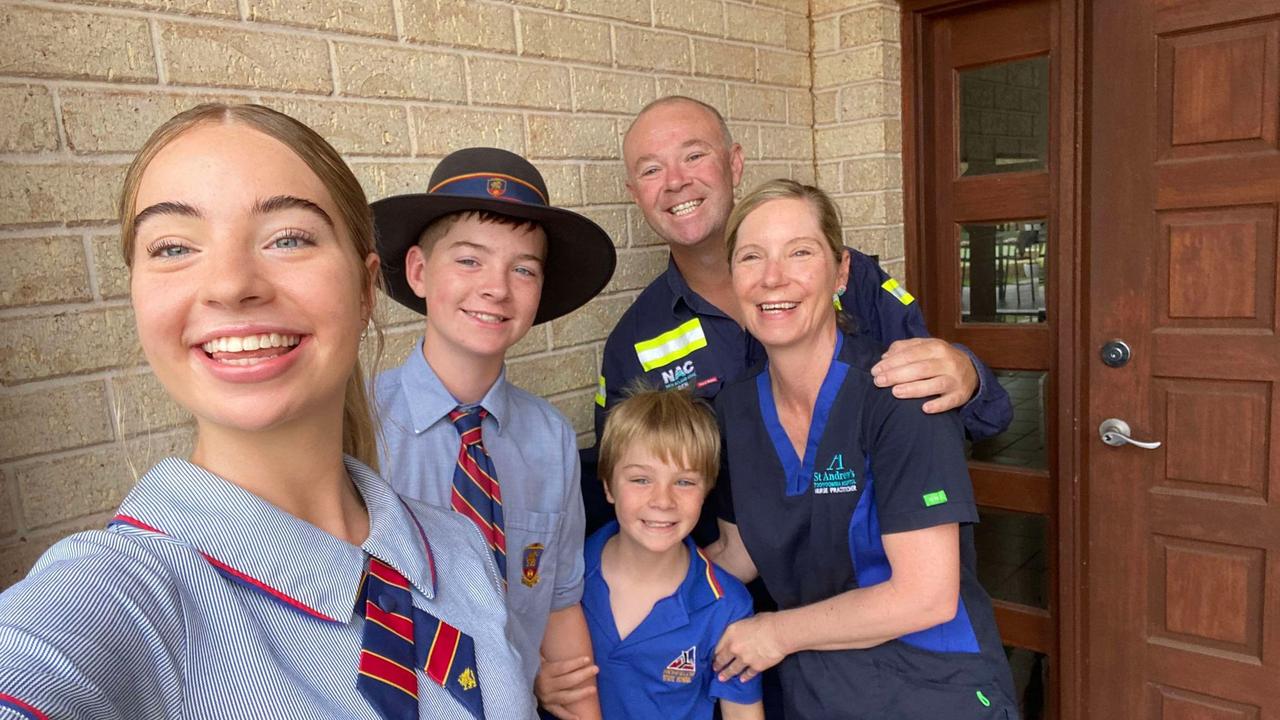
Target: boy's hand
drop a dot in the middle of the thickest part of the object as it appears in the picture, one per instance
(921, 367)
(749, 647)
(561, 683)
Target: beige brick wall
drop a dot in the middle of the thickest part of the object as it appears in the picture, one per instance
(395, 85)
(857, 96)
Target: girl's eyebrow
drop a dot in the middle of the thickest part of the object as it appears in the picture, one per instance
(287, 202)
(165, 208)
(261, 207)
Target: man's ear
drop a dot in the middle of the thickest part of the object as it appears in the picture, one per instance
(735, 163)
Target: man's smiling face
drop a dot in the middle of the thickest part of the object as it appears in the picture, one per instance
(681, 172)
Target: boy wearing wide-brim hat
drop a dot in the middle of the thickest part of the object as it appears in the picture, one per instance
(484, 256)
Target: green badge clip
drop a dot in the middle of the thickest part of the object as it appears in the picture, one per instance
(983, 699)
(934, 498)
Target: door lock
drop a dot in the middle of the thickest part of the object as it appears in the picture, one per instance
(1116, 353)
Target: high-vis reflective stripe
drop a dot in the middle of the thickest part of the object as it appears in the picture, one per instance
(671, 345)
(600, 392)
(896, 290)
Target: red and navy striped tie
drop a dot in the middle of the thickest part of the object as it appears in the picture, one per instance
(387, 676)
(398, 638)
(476, 493)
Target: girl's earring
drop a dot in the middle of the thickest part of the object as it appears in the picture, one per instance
(835, 299)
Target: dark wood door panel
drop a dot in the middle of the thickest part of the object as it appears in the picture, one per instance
(1217, 437)
(1222, 683)
(1021, 490)
(1246, 179)
(1006, 196)
(1184, 186)
(1229, 356)
(1237, 521)
(1172, 703)
(1218, 90)
(1206, 599)
(1197, 249)
(1017, 347)
(1023, 29)
(1177, 15)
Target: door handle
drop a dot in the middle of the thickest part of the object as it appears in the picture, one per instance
(1115, 432)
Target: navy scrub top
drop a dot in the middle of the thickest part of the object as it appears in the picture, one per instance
(873, 464)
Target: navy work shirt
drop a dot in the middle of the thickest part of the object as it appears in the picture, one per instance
(873, 464)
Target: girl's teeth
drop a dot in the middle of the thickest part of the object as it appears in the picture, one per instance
(249, 343)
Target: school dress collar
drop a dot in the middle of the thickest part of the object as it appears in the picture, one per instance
(251, 542)
(430, 402)
(699, 589)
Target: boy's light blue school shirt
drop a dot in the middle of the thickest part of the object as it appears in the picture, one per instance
(203, 600)
(662, 669)
(535, 455)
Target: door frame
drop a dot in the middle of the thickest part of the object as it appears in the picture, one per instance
(1067, 191)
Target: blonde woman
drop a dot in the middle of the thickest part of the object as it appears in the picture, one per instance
(237, 582)
(852, 505)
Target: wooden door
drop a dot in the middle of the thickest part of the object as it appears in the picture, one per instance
(1183, 596)
(987, 246)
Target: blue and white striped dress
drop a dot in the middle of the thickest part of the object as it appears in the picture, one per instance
(204, 601)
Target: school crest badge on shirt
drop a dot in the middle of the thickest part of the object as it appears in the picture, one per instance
(532, 559)
(683, 668)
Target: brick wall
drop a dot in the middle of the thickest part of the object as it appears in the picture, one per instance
(857, 63)
(395, 85)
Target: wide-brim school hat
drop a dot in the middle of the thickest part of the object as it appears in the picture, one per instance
(580, 256)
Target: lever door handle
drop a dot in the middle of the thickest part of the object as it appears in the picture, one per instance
(1115, 432)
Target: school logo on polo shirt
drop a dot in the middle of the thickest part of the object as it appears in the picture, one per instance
(683, 668)
(532, 558)
(835, 479)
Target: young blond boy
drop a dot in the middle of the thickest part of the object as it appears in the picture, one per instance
(655, 605)
(484, 256)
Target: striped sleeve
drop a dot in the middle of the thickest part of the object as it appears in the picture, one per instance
(95, 631)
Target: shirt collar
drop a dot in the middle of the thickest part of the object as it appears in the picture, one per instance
(699, 588)
(429, 400)
(682, 293)
(258, 544)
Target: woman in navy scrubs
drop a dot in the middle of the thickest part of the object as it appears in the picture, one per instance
(854, 506)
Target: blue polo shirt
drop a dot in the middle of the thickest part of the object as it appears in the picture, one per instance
(673, 338)
(663, 668)
(813, 525)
